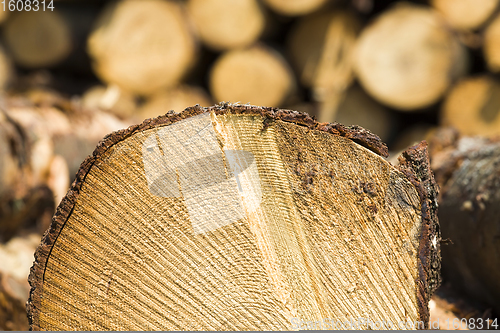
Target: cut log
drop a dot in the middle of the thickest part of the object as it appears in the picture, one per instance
(239, 218)
(175, 99)
(295, 7)
(37, 39)
(473, 107)
(264, 77)
(227, 24)
(408, 58)
(321, 46)
(466, 14)
(468, 170)
(142, 46)
(491, 44)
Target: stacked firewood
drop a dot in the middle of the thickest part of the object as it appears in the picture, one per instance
(73, 73)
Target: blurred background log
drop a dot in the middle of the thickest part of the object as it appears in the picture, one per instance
(17, 256)
(407, 58)
(3, 15)
(38, 39)
(7, 70)
(321, 46)
(263, 76)
(112, 99)
(473, 106)
(466, 14)
(142, 46)
(227, 24)
(295, 7)
(12, 305)
(469, 213)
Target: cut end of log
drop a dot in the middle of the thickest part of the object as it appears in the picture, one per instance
(227, 24)
(37, 39)
(142, 46)
(407, 58)
(238, 217)
(263, 77)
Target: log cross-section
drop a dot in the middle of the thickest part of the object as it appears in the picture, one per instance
(238, 217)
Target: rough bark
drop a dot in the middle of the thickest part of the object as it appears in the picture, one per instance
(324, 228)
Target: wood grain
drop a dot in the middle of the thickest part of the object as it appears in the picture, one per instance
(328, 228)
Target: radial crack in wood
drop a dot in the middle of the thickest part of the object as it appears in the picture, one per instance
(237, 217)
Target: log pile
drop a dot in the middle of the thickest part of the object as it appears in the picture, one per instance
(403, 70)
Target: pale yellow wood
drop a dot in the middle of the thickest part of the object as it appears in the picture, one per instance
(407, 57)
(227, 24)
(263, 76)
(305, 241)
